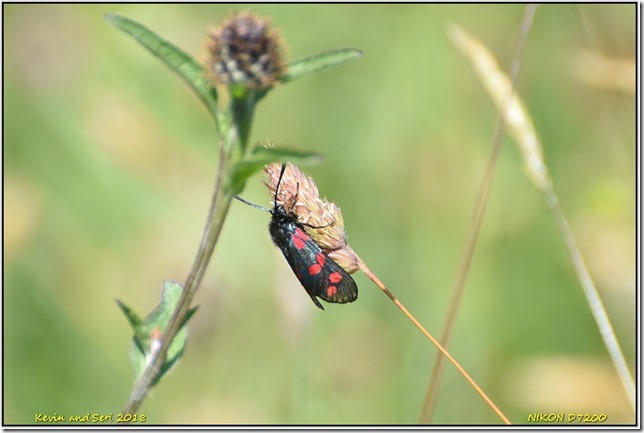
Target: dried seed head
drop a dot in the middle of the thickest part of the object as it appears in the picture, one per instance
(244, 50)
(513, 110)
(299, 196)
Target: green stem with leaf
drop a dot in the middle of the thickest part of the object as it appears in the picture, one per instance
(237, 162)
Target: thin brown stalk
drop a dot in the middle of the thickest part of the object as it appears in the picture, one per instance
(364, 268)
(522, 130)
(475, 226)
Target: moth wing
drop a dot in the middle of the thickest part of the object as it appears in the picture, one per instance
(319, 275)
(295, 262)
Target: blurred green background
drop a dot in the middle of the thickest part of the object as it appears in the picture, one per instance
(109, 163)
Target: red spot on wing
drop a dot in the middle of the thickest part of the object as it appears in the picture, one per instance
(331, 291)
(320, 258)
(299, 238)
(315, 269)
(335, 278)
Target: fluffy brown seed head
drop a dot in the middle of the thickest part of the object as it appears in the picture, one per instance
(244, 50)
(305, 203)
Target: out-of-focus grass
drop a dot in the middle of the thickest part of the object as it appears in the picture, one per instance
(108, 167)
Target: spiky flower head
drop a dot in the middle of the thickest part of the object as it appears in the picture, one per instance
(245, 50)
(299, 196)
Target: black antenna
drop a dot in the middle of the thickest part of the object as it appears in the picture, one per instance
(277, 187)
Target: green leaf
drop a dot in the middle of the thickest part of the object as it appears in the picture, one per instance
(148, 332)
(189, 315)
(318, 62)
(132, 317)
(262, 156)
(176, 59)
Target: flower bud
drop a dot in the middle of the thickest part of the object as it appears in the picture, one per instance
(244, 50)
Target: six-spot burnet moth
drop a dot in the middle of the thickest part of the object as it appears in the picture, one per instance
(320, 275)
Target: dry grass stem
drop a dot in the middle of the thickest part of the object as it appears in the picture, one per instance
(364, 268)
(477, 216)
(501, 90)
(522, 130)
(299, 195)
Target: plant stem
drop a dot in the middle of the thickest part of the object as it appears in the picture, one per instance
(243, 109)
(462, 273)
(592, 296)
(475, 226)
(364, 268)
(216, 215)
